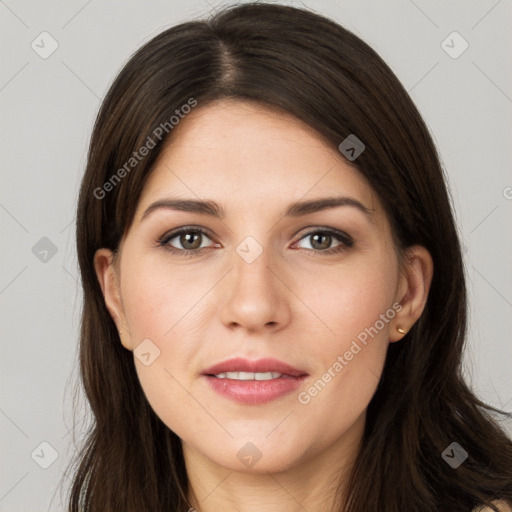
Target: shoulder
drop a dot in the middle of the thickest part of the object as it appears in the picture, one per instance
(501, 505)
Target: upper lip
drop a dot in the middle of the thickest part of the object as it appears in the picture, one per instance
(239, 364)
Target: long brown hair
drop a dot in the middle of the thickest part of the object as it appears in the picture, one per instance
(305, 64)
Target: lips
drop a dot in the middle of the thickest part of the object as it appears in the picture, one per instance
(259, 366)
(253, 382)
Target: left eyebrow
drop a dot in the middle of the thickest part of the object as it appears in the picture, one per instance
(297, 209)
(306, 207)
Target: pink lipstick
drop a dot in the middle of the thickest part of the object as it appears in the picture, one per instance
(254, 382)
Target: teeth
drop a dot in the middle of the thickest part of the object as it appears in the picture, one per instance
(249, 375)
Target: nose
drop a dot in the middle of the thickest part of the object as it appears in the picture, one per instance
(254, 296)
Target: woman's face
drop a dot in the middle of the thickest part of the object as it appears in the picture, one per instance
(317, 288)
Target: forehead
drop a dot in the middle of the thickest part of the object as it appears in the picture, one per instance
(245, 155)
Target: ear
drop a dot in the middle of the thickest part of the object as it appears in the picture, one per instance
(108, 277)
(413, 288)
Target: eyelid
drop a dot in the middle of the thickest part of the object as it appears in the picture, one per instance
(185, 229)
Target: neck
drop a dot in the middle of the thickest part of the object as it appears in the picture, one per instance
(313, 482)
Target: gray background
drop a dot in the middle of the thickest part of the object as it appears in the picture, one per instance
(48, 108)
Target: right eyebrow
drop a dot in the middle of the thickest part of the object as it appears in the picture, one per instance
(187, 205)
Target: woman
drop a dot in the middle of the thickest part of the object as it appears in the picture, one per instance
(274, 297)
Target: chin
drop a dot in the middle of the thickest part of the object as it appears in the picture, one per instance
(258, 456)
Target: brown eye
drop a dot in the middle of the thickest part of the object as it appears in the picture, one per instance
(191, 240)
(185, 240)
(322, 241)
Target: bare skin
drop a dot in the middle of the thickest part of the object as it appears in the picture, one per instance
(294, 302)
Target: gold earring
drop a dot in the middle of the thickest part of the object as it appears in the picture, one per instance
(401, 330)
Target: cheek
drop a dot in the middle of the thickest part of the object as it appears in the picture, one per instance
(157, 299)
(347, 299)
(164, 305)
(356, 306)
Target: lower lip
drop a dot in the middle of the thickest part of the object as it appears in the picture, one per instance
(254, 391)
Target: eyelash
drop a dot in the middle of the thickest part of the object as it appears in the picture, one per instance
(346, 241)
